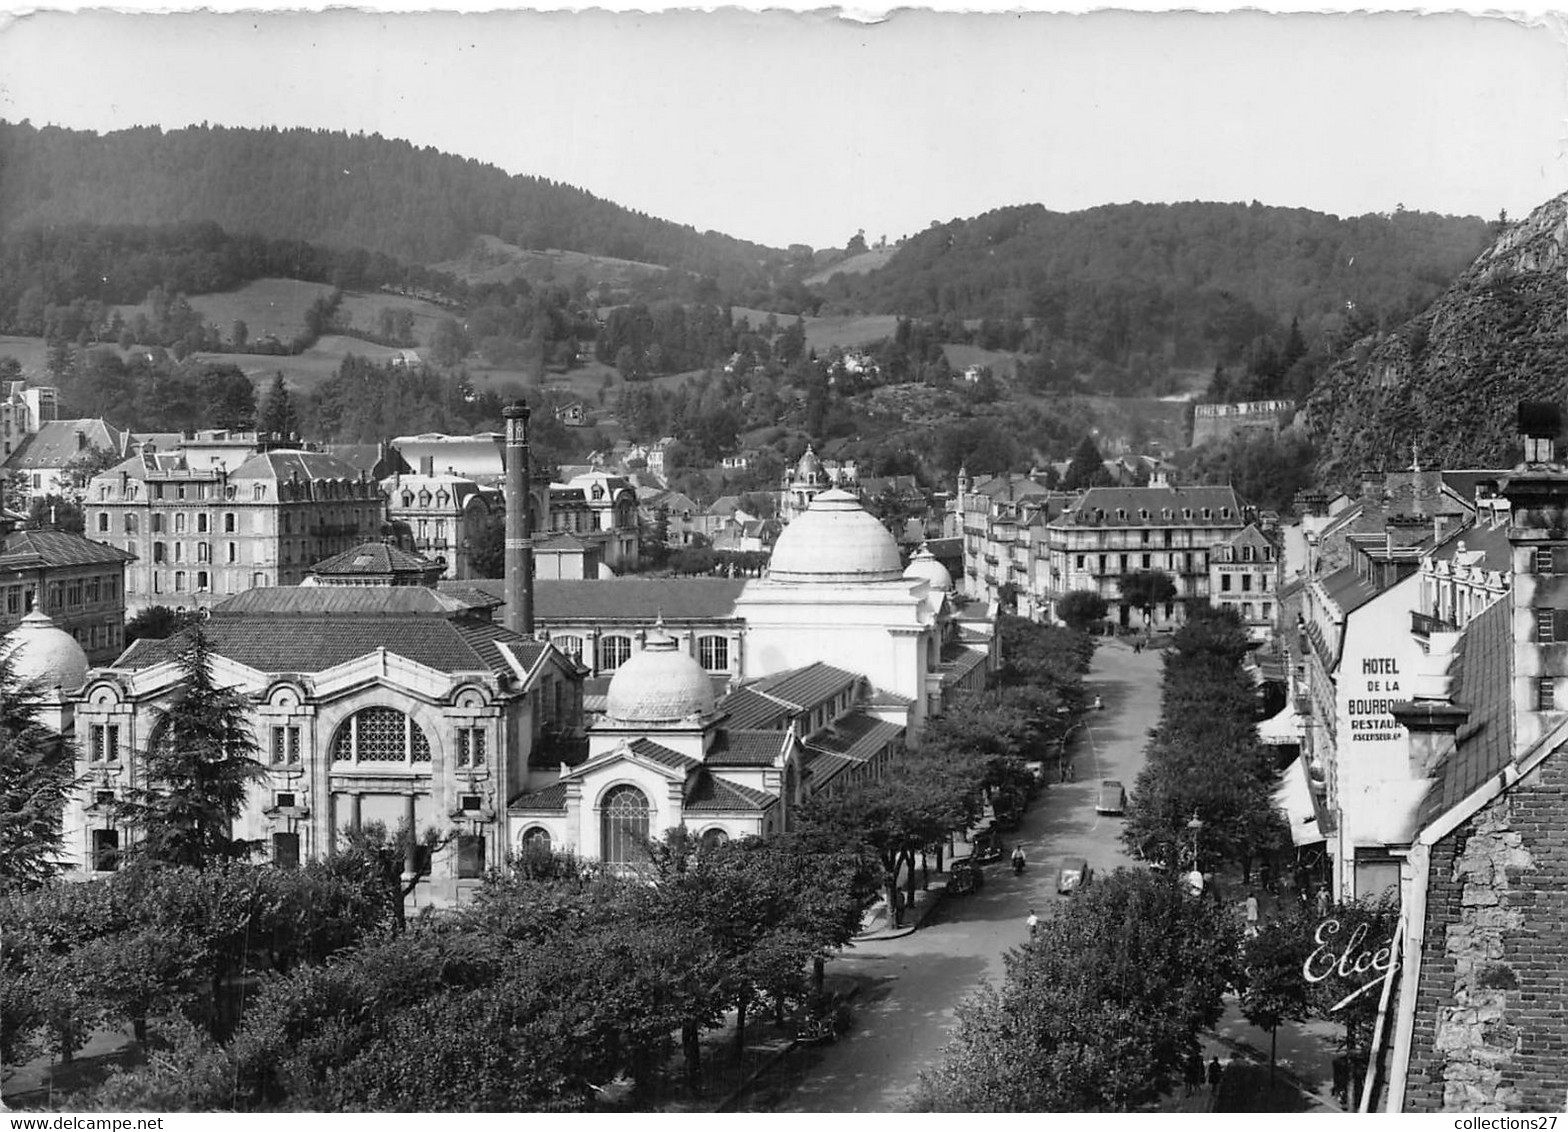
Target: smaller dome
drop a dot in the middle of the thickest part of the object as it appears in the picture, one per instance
(809, 468)
(44, 654)
(924, 564)
(660, 684)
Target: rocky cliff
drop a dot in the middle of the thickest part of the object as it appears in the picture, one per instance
(1447, 382)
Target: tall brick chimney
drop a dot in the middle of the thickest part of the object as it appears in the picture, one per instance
(519, 613)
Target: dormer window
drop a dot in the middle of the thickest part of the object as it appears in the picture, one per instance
(1186, 512)
(1207, 513)
(1121, 512)
(1166, 513)
(408, 499)
(1143, 513)
(1224, 512)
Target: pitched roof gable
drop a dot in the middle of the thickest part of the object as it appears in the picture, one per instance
(1484, 745)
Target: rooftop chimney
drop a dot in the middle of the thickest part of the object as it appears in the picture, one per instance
(1432, 718)
(519, 614)
(1540, 422)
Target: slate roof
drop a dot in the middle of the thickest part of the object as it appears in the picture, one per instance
(1156, 501)
(61, 548)
(55, 443)
(711, 793)
(373, 558)
(1348, 590)
(305, 643)
(1484, 745)
(1489, 542)
(350, 600)
(285, 464)
(622, 599)
(370, 459)
(746, 748)
(1464, 481)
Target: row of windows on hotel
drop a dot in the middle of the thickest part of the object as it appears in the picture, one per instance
(197, 490)
(1181, 563)
(612, 651)
(200, 552)
(73, 593)
(376, 734)
(176, 523)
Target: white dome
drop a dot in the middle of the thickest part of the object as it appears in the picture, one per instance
(924, 565)
(42, 653)
(835, 540)
(660, 684)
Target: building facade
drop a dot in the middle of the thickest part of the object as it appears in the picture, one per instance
(1245, 575)
(78, 583)
(201, 534)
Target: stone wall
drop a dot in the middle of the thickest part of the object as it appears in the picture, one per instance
(1489, 1035)
(1214, 422)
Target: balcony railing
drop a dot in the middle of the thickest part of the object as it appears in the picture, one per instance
(1423, 625)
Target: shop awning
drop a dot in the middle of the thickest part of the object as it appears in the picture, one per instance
(1286, 727)
(1294, 798)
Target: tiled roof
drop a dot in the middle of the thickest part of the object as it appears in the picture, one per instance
(958, 662)
(855, 736)
(1485, 743)
(357, 600)
(882, 698)
(550, 800)
(648, 749)
(1464, 481)
(303, 643)
(822, 766)
(55, 444)
(746, 708)
(368, 459)
(806, 687)
(710, 793)
(746, 748)
(623, 599)
(1179, 501)
(61, 548)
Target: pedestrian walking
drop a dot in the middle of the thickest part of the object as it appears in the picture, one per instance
(1215, 1072)
(1192, 1072)
(1033, 923)
(1252, 914)
(1322, 901)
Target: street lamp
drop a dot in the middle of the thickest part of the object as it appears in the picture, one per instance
(1195, 877)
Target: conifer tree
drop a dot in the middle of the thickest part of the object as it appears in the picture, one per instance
(200, 762)
(277, 413)
(37, 766)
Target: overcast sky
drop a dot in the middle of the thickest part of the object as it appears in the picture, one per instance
(784, 127)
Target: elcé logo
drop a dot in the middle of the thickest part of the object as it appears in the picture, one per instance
(1349, 959)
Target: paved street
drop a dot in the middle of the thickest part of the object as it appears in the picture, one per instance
(913, 984)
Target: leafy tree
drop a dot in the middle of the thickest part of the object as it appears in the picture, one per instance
(1375, 919)
(55, 513)
(1081, 609)
(1087, 468)
(1145, 589)
(1275, 989)
(155, 623)
(199, 766)
(1098, 1012)
(381, 859)
(37, 771)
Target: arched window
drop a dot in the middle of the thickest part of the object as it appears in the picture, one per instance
(536, 839)
(380, 734)
(713, 653)
(624, 826)
(614, 652)
(714, 839)
(571, 646)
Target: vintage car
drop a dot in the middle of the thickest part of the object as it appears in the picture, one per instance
(1112, 798)
(1073, 875)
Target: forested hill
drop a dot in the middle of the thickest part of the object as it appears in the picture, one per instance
(334, 189)
(1166, 279)
(1448, 380)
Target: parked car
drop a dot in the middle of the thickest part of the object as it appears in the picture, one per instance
(1112, 798)
(1073, 875)
(964, 877)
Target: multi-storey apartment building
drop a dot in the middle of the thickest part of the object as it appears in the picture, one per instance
(444, 515)
(202, 533)
(1111, 532)
(78, 583)
(23, 409)
(1245, 574)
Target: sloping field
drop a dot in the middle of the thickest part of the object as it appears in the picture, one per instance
(361, 310)
(33, 353)
(837, 330)
(854, 265)
(492, 260)
(1003, 363)
(268, 306)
